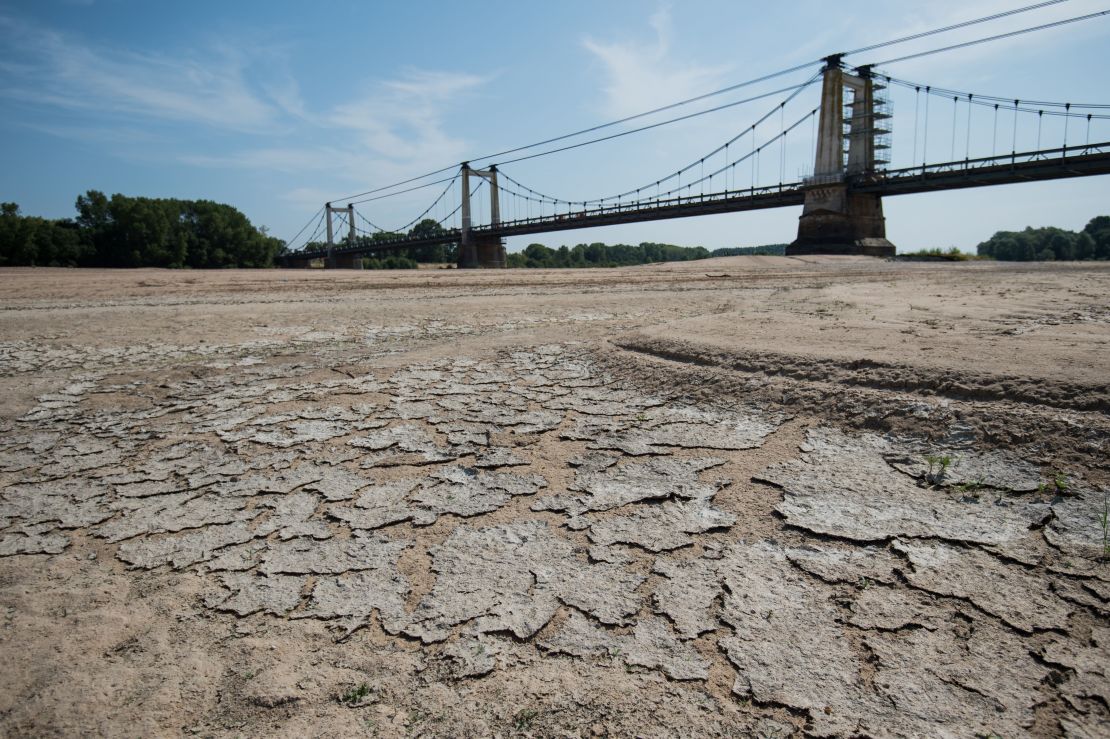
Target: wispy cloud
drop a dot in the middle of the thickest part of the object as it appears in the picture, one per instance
(386, 130)
(640, 75)
(55, 70)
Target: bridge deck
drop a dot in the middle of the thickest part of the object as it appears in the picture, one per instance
(1050, 164)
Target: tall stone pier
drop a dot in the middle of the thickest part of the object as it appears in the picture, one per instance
(480, 250)
(835, 219)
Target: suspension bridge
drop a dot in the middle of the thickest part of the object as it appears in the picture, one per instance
(959, 140)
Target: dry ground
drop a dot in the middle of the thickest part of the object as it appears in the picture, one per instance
(747, 496)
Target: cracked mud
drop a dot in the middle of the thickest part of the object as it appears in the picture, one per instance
(444, 527)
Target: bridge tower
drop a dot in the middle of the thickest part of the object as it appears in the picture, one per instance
(341, 261)
(835, 219)
(480, 250)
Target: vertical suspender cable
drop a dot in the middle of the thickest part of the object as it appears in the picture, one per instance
(955, 110)
(782, 143)
(994, 136)
(967, 146)
(916, 106)
(1040, 120)
(1067, 120)
(1013, 149)
(925, 134)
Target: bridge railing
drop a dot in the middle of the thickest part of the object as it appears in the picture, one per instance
(632, 207)
(1062, 154)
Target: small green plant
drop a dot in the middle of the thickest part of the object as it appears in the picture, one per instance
(1061, 482)
(938, 466)
(969, 487)
(355, 694)
(524, 718)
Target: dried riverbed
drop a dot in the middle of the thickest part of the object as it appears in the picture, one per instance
(749, 496)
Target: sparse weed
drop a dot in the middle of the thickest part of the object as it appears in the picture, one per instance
(1061, 482)
(969, 487)
(355, 694)
(938, 466)
(524, 718)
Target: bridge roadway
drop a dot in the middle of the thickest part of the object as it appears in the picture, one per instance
(1048, 164)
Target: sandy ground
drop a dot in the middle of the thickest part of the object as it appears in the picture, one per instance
(744, 496)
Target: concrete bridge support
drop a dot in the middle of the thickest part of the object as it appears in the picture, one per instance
(836, 220)
(346, 261)
(339, 261)
(479, 251)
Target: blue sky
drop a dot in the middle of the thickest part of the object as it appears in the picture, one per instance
(277, 106)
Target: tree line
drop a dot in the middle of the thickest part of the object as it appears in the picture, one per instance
(603, 255)
(1045, 244)
(123, 231)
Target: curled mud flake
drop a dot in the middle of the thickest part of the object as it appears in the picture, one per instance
(467, 492)
(470, 434)
(842, 486)
(356, 595)
(966, 680)
(169, 513)
(889, 609)
(612, 555)
(406, 436)
(183, 549)
(652, 644)
(654, 479)
(592, 429)
(301, 432)
(1076, 528)
(1094, 594)
(512, 578)
(788, 646)
(1089, 663)
(594, 461)
(859, 566)
(606, 592)
(604, 402)
(379, 505)
(333, 556)
(32, 539)
(236, 558)
(662, 526)
(499, 457)
(19, 460)
(250, 593)
(150, 488)
(281, 483)
(71, 504)
(1019, 597)
(404, 445)
(691, 428)
(338, 483)
(687, 595)
(1088, 725)
(291, 517)
(467, 656)
(578, 637)
(969, 469)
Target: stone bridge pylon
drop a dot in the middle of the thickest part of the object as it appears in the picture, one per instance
(853, 134)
